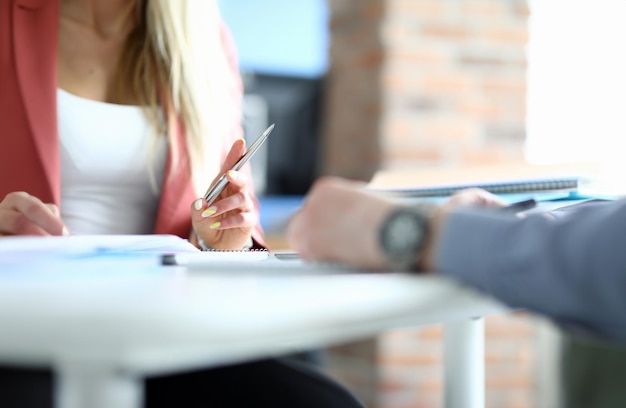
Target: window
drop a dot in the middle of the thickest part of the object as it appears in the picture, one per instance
(280, 37)
(577, 82)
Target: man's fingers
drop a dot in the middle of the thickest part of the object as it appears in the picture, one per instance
(474, 197)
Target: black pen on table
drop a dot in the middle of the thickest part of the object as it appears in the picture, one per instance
(213, 192)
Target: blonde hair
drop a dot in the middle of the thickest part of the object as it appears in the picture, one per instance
(176, 66)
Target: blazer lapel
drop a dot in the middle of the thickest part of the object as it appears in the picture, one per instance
(177, 191)
(35, 36)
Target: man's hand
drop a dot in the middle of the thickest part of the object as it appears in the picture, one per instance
(339, 222)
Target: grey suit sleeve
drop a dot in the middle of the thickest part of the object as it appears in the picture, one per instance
(571, 268)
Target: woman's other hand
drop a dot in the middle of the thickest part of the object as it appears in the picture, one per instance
(229, 221)
(24, 214)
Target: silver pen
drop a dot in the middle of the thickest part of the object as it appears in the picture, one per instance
(215, 191)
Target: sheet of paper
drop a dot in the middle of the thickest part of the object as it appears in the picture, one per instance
(42, 260)
(28, 249)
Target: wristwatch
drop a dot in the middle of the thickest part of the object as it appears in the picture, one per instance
(403, 234)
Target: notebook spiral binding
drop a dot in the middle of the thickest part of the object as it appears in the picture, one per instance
(235, 250)
(495, 188)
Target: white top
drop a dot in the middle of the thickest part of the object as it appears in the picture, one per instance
(106, 152)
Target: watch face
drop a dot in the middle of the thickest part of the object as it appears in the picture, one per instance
(405, 233)
(402, 236)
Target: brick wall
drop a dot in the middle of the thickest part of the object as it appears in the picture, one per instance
(420, 83)
(415, 84)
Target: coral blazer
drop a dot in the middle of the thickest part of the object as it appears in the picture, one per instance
(29, 140)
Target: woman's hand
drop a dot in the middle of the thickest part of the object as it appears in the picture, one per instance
(229, 221)
(24, 214)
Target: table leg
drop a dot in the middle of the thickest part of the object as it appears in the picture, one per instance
(464, 369)
(80, 385)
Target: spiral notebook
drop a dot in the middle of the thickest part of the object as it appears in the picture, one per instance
(497, 179)
(208, 257)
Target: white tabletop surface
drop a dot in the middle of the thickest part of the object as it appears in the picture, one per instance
(146, 318)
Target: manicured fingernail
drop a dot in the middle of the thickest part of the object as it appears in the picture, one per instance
(209, 212)
(197, 204)
(215, 225)
(65, 232)
(233, 174)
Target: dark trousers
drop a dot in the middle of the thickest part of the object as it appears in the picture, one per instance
(264, 383)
